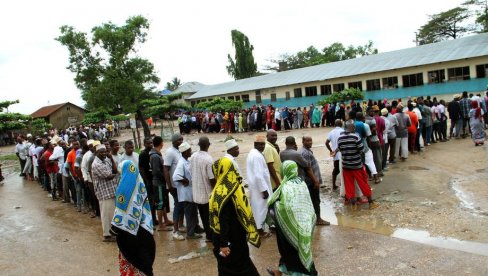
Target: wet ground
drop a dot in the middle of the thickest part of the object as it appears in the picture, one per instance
(432, 221)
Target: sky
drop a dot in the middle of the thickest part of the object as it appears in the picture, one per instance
(191, 39)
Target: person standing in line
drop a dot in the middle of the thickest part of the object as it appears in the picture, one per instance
(51, 168)
(272, 157)
(129, 153)
(401, 144)
(292, 211)
(331, 144)
(428, 123)
(103, 174)
(454, 109)
(161, 199)
(259, 182)
(132, 223)
(476, 123)
(89, 196)
(231, 218)
(351, 147)
(21, 152)
(314, 183)
(465, 104)
(146, 174)
(203, 181)
(170, 161)
(183, 181)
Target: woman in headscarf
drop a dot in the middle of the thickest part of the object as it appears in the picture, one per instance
(132, 223)
(292, 211)
(231, 219)
(477, 124)
(316, 117)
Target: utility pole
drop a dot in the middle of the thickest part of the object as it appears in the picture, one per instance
(416, 39)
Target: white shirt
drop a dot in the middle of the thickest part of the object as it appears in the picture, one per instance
(84, 166)
(258, 176)
(416, 110)
(22, 150)
(134, 158)
(58, 154)
(332, 137)
(183, 171)
(201, 172)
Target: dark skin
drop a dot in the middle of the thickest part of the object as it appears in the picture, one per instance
(76, 146)
(307, 143)
(102, 154)
(186, 155)
(204, 145)
(148, 145)
(167, 169)
(260, 147)
(129, 149)
(338, 123)
(272, 137)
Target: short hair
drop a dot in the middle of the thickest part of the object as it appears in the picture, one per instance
(112, 143)
(290, 140)
(349, 124)
(147, 139)
(157, 141)
(128, 143)
(359, 115)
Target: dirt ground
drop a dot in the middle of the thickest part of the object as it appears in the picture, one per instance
(437, 198)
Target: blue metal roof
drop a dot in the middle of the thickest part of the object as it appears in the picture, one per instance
(462, 48)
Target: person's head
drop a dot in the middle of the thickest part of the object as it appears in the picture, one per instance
(289, 169)
(204, 143)
(359, 116)
(176, 140)
(185, 150)
(474, 104)
(400, 108)
(410, 106)
(101, 151)
(307, 142)
(370, 111)
(51, 145)
(271, 136)
(465, 94)
(350, 126)
(290, 142)
(338, 123)
(129, 147)
(76, 145)
(157, 142)
(260, 142)
(384, 112)
(114, 146)
(148, 143)
(20, 139)
(232, 147)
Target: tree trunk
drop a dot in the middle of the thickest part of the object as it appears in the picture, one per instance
(145, 126)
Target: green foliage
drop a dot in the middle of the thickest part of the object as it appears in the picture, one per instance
(343, 96)
(95, 117)
(164, 104)
(120, 117)
(243, 65)
(445, 25)
(9, 157)
(39, 126)
(221, 105)
(311, 56)
(107, 69)
(481, 13)
(173, 85)
(11, 121)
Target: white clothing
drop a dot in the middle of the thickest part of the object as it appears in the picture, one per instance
(332, 137)
(417, 112)
(84, 166)
(21, 149)
(369, 161)
(134, 158)
(259, 181)
(107, 209)
(403, 142)
(58, 154)
(201, 171)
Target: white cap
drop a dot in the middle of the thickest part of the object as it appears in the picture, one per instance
(29, 135)
(229, 144)
(90, 142)
(184, 147)
(101, 146)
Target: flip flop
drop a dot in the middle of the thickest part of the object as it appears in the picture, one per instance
(323, 223)
(270, 271)
(166, 228)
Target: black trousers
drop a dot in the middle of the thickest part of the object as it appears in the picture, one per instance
(204, 216)
(315, 197)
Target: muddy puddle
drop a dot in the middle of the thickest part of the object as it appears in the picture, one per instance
(333, 211)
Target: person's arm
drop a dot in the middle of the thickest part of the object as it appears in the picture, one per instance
(225, 217)
(210, 175)
(327, 144)
(179, 175)
(273, 174)
(99, 171)
(167, 178)
(306, 165)
(114, 165)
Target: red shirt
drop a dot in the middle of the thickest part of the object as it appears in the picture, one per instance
(415, 121)
(51, 167)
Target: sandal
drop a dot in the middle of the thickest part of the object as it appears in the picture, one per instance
(378, 181)
(322, 223)
(165, 228)
(266, 235)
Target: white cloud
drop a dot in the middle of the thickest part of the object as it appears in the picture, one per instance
(191, 39)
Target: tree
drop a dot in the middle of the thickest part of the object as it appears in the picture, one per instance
(174, 84)
(343, 96)
(11, 121)
(39, 126)
(445, 25)
(164, 104)
(243, 65)
(221, 105)
(311, 56)
(108, 70)
(481, 13)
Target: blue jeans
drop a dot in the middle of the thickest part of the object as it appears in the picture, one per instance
(80, 193)
(428, 134)
(179, 208)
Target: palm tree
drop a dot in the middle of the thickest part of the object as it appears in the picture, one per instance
(174, 84)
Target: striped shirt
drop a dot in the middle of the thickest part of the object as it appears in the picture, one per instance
(101, 170)
(351, 147)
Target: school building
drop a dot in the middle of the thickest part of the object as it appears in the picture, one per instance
(443, 68)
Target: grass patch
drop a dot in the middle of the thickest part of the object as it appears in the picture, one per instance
(6, 157)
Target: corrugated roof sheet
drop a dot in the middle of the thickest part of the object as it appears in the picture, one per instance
(467, 47)
(50, 109)
(190, 87)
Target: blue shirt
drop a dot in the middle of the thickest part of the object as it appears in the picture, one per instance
(183, 171)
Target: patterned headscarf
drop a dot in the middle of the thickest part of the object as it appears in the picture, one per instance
(294, 212)
(132, 209)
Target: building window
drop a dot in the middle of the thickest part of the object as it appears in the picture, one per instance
(413, 80)
(193, 103)
(245, 98)
(230, 98)
(338, 87)
(325, 89)
(372, 85)
(356, 84)
(482, 71)
(311, 91)
(287, 95)
(459, 73)
(238, 98)
(436, 76)
(390, 83)
(258, 96)
(273, 97)
(297, 92)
